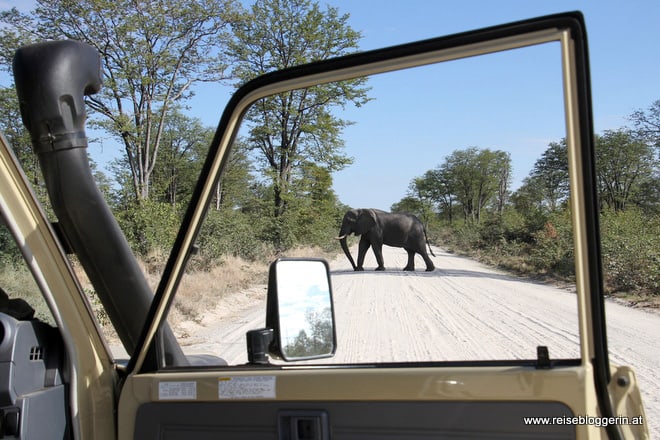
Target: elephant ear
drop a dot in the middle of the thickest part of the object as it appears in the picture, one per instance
(366, 220)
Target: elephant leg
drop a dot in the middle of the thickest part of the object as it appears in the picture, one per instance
(363, 247)
(411, 260)
(430, 267)
(378, 252)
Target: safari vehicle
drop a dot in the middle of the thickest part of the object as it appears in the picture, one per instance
(62, 380)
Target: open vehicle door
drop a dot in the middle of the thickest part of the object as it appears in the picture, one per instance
(165, 392)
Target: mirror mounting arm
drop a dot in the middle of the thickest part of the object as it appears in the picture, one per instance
(257, 345)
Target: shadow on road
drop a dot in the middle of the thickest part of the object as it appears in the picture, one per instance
(437, 273)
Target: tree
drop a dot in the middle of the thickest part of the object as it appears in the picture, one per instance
(410, 204)
(235, 187)
(290, 129)
(547, 186)
(423, 194)
(647, 124)
(18, 138)
(474, 178)
(479, 177)
(529, 200)
(444, 194)
(499, 163)
(623, 163)
(183, 147)
(152, 53)
(313, 211)
(320, 341)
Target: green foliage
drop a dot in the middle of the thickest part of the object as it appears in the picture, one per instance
(546, 188)
(460, 237)
(631, 251)
(647, 124)
(624, 163)
(149, 226)
(502, 230)
(294, 141)
(531, 230)
(289, 129)
(9, 253)
(473, 179)
(231, 232)
(182, 151)
(320, 340)
(553, 251)
(312, 217)
(152, 52)
(151, 57)
(314, 212)
(18, 138)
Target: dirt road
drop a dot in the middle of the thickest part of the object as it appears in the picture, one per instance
(461, 311)
(465, 310)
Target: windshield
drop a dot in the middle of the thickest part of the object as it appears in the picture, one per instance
(471, 152)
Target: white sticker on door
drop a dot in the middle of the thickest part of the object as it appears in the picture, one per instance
(177, 390)
(250, 387)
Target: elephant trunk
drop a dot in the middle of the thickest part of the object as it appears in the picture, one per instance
(344, 246)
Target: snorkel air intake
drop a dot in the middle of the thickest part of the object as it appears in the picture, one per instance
(51, 81)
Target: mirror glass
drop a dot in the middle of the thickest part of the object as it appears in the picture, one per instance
(305, 309)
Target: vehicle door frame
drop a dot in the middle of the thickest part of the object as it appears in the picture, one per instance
(91, 374)
(569, 31)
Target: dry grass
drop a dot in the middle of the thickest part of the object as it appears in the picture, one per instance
(17, 282)
(200, 290)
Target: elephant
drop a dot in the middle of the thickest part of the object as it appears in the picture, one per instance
(376, 228)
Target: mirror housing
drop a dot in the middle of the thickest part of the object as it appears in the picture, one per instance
(300, 309)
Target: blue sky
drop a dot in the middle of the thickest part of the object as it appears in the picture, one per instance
(417, 118)
(624, 40)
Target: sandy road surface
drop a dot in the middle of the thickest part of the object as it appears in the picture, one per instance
(461, 311)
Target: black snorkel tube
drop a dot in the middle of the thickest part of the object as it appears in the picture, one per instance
(52, 79)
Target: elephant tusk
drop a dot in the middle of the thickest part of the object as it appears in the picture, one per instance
(341, 238)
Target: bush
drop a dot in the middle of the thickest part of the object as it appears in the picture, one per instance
(504, 230)
(457, 237)
(149, 226)
(553, 250)
(631, 252)
(229, 232)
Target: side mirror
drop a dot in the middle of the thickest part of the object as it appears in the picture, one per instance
(300, 310)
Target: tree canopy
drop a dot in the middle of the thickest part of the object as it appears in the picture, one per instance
(151, 58)
(647, 124)
(472, 178)
(624, 163)
(291, 129)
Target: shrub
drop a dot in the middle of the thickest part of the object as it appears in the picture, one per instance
(631, 251)
(229, 232)
(149, 226)
(553, 250)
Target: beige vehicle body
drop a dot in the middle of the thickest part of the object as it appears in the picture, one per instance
(144, 400)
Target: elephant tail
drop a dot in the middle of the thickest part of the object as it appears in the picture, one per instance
(427, 243)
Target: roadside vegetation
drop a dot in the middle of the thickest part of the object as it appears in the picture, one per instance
(277, 195)
(469, 209)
